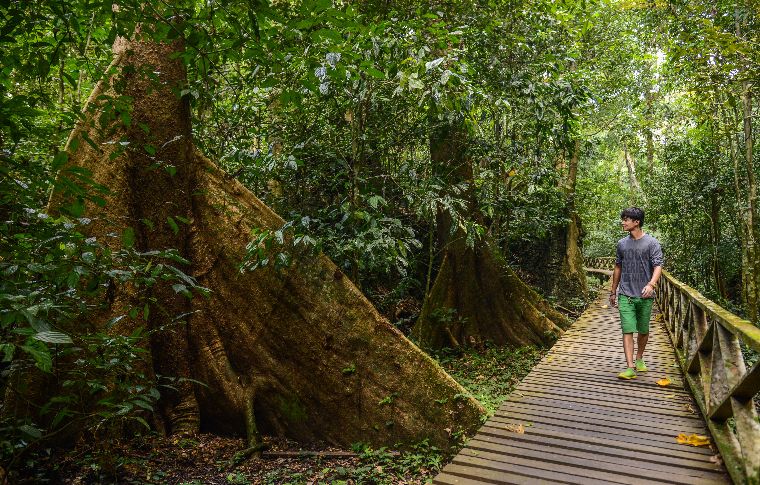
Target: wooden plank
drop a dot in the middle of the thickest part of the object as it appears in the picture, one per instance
(664, 446)
(633, 469)
(450, 479)
(567, 439)
(590, 401)
(607, 413)
(569, 446)
(624, 422)
(649, 391)
(526, 468)
(558, 379)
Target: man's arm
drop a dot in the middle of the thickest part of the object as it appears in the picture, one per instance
(648, 290)
(615, 283)
(655, 259)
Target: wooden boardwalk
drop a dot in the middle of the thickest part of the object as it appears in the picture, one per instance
(571, 420)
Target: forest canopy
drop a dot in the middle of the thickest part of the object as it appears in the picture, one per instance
(327, 177)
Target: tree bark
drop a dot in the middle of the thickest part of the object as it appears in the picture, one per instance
(648, 132)
(749, 214)
(635, 189)
(298, 352)
(715, 239)
(476, 297)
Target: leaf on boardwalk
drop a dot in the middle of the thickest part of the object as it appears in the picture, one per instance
(693, 440)
(605, 306)
(670, 396)
(716, 459)
(663, 382)
(515, 428)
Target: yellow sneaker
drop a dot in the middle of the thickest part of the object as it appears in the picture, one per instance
(629, 373)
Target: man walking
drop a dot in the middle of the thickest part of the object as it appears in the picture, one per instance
(638, 266)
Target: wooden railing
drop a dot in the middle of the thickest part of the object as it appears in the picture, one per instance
(600, 263)
(708, 341)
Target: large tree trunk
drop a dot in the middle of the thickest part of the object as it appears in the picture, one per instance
(715, 241)
(571, 280)
(298, 352)
(476, 297)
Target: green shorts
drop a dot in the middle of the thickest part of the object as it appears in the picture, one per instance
(635, 313)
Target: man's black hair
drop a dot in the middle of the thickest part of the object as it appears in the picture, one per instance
(635, 214)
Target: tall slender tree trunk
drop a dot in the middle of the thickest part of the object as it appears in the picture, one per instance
(715, 239)
(648, 132)
(748, 235)
(634, 189)
(573, 283)
(749, 216)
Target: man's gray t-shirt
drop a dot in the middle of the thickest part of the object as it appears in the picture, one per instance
(637, 258)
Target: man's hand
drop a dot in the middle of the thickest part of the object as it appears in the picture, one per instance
(648, 291)
(613, 298)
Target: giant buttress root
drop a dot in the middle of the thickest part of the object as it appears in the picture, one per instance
(488, 302)
(302, 347)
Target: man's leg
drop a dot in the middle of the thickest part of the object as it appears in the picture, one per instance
(628, 348)
(628, 326)
(643, 315)
(641, 344)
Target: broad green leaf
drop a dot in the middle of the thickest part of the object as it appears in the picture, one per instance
(128, 237)
(59, 161)
(173, 224)
(53, 337)
(7, 349)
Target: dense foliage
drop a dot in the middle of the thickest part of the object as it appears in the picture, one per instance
(325, 110)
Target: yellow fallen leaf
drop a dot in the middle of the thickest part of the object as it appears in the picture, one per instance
(515, 428)
(663, 382)
(670, 396)
(605, 306)
(693, 440)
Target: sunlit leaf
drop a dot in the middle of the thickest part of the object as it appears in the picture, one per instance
(53, 337)
(515, 428)
(692, 439)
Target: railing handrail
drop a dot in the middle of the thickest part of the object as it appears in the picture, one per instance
(707, 339)
(749, 333)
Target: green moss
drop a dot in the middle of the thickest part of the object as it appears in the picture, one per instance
(293, 410)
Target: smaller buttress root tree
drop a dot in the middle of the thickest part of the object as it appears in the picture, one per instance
(476, 297)
(298, 352)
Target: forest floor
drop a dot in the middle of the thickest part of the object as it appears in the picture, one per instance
(489, 374)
